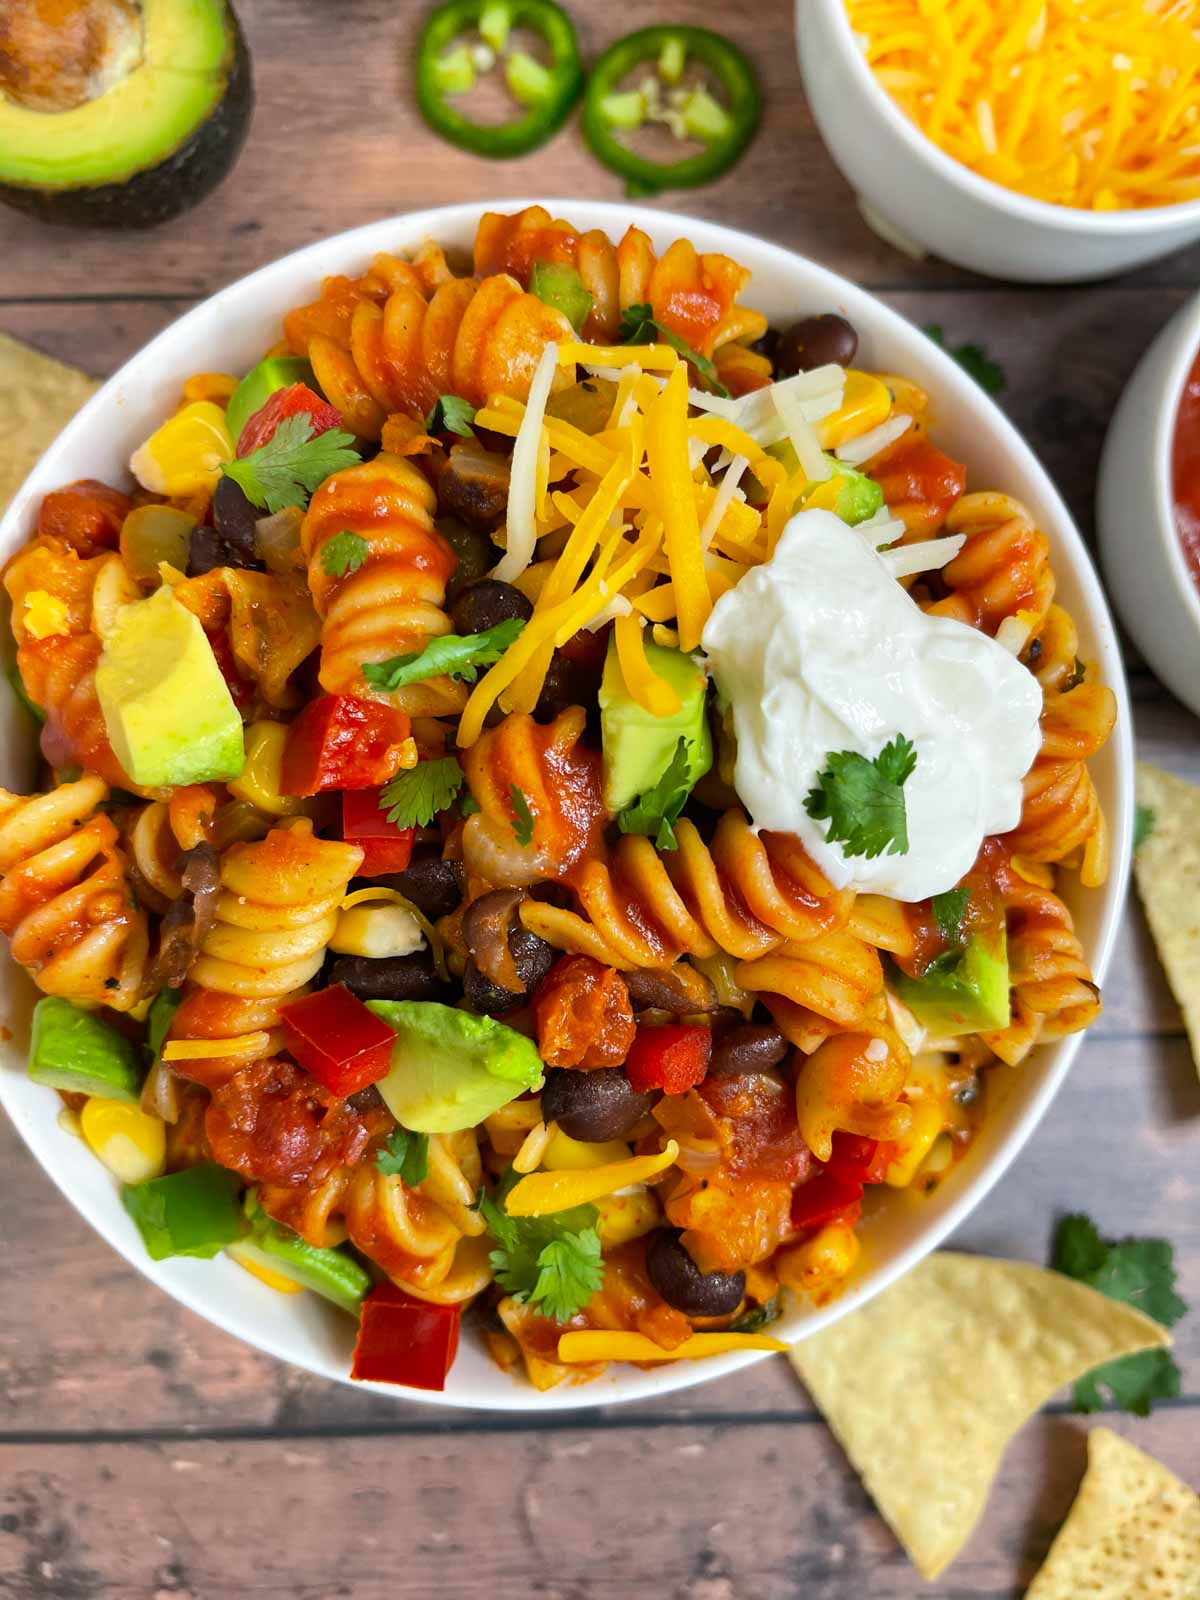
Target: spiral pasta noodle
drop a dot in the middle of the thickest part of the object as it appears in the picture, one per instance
(1004, 567)
(65, 901)
(164, 829)
(1053, 991)
(393, 603)
(1061, 812)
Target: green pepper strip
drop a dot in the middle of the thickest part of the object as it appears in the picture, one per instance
(524, 133)
(728, 65)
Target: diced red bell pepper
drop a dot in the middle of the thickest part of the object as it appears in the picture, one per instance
(673, 1058)
(385, 847)
(826, 1198)
(341, 742)
(289, 402)
(338, 1040)
(405, 1340)
(860, 1160)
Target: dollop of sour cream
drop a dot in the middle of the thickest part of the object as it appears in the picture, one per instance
(819, 650)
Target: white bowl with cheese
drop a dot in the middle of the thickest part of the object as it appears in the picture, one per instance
(916, 194)
(228, 332)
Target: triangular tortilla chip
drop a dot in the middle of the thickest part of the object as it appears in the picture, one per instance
(1134, 1530)
(38, 397)
(925, 1386)
(1167, 868)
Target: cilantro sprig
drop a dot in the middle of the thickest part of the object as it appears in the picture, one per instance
(457, 655)
(973, 359)
(863, 800)
(554, 1263)
(522, 816)
(451, 414)
(405, 1156)
(655, 812)
(344, 553)
(292, 464)
(639, 325)
(413, 798)
(1141, 1272)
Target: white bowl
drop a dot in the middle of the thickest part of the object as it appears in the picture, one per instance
(229, 332)
(1143, 559)
(926, 196)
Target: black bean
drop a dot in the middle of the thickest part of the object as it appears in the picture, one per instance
(487, 998)
(483, 605)
(532, 957)
(473, 486)
(476, 553)
(681, 1283)
(749, 1047)
(566, 683)
(206, 550)
(434, 886)
(813, 342)
(393, 978)
(593, 1105)
(368, 1099)
(679, 990)
(234, 518)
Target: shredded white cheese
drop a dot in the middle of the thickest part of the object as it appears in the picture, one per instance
(927, 556)
(522, 488)
(725, 493)
(855, 451)
(800, 431)
(1014, 632)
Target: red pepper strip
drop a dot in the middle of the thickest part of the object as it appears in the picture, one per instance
(673, 1058)
(826, 1198)
(341, 1043)
(859, 1160)
(385, 847)
(289, 402)
(405, 1340)
(340, 742)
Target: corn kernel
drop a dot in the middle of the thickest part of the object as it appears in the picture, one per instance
(818, 1266)
(132, 1145)
(866, 403)
(564, 1154)
(258, 781)
(625, 1216)
(377, 932)
(272, 1279)
(186, 454)
(45, 614)
(928, 1120)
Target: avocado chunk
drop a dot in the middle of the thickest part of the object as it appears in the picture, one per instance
(964, 991)
(326, 1271)
(638, 746)
(75, 1050)
(450, 1069)
(859, 497)
(168, 711)
(560, 286)
(115, 114)
(259, 384)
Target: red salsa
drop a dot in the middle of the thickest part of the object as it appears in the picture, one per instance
(1185, 471)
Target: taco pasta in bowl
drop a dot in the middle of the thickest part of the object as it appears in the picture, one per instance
(574, 792)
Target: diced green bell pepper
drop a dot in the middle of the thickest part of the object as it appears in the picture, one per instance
(189, 1213)
(328, 1272)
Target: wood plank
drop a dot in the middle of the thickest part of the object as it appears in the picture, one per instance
(336, 141)
(715, 1513)
(1125, 1111)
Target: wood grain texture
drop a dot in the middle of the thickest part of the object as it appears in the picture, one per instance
(144, 1454)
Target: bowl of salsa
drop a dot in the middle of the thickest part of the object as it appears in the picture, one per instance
(1148, 506)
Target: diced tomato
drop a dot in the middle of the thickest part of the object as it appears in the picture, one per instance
(584, 1015)
(859, 1160)
(342, 1044)
(385, 847)
(673, 1058)
(340, 742)
(241, 690)
(283, 403)
(405, 1340)
(86, 515)
(826, 1198)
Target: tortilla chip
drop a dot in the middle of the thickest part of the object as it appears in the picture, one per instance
(1167, 868)
(1134, 1530)
(38, 397)
(925, 1386)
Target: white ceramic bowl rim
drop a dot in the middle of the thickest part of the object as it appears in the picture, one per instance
(214, 1297)
(1170, 396)
(1142, 219)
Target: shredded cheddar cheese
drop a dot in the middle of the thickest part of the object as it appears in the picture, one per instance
(1087, 103)
(586, 1345)
(541, 1193)
(45, 614)
(249, 1045)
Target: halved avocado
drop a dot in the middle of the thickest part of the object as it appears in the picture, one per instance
(119, 113)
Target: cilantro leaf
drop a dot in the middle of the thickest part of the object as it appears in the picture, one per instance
(552, 1263)
(451, 414)
(973, 359)
(293, 462)
(948, 912)
(456, 655)
(523, 816)
(1140, 1272)
(639, 325)
(654, 812)
(405, 1156)
(755, 1318)
(468, 805)
(1143, 825)
(344, 553)
(414, 798)
(864, 800)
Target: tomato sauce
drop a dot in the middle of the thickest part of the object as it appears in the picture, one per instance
(1185, 471)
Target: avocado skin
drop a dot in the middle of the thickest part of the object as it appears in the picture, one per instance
(179, 181)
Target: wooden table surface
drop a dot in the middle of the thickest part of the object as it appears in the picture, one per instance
(145, 1454)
